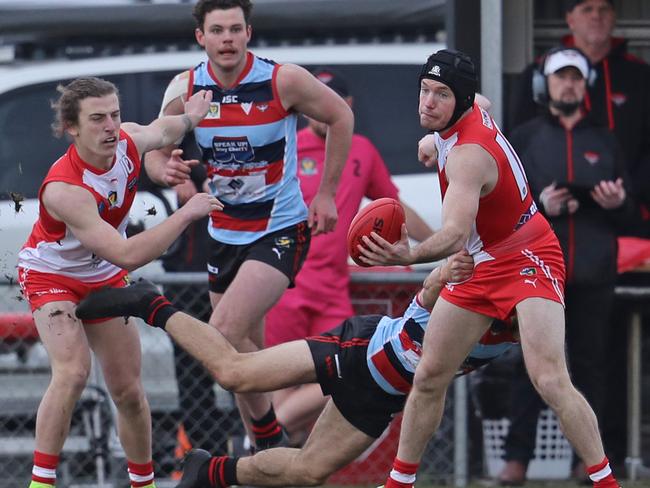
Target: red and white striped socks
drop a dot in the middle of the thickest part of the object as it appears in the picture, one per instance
(44, 470)
(602, 476)
(402, 475)
(141, 475)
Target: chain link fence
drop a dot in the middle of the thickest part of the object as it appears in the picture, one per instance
(188, 408)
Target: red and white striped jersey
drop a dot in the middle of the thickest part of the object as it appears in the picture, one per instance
(509, 205)
(51, 247)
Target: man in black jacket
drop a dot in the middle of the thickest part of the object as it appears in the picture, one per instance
(618, 98)
(575, 171)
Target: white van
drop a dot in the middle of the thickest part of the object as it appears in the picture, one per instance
(383, 81)
(382, 78)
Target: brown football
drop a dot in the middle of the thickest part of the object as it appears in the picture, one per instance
(384, 216)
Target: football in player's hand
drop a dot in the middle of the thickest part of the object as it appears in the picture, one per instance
(383, 216)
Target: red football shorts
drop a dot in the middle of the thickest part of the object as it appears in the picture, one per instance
(535, 269)
(41, 288)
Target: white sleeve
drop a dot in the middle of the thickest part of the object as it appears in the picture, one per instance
(176, 88)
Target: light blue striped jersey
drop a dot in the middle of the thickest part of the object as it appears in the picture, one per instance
(395, 348)
(248, 143)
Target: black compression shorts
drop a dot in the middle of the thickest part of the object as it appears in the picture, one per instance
(342, 371)
(284, 250)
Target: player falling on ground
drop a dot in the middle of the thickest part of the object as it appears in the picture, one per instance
(366, 365)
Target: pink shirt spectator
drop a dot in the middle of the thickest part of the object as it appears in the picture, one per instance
(321, 299)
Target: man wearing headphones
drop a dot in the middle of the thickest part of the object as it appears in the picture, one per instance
(575, 171)
(618, 97)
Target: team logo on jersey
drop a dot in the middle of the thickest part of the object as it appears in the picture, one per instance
(592, 157)
(51, 291)
(232, 150)
(246, 107)
(236, 184)
(487, 121)
(531, 282)
(112, 199)
(101, 206)
(132, 184)
(126, 162)
(214, 112)
(411, 357)
(308, 167)
(619, 99)
(281, 245)
(262, 107)
(528, 272)
(230, 99)
(95, 260)
(525, 217)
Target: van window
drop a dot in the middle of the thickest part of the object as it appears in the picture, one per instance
(28, 147)
(386, 111)
(385, 107)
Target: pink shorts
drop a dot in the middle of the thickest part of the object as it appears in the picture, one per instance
(41, 288)
(498, 285)
(298, 315)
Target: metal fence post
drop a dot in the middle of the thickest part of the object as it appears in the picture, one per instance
(460, 431)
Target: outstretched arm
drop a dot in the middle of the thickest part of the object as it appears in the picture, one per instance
(167, 159)
(458, 267)
(77, 208)
(471, 173)
(170, 128)
(166, 167)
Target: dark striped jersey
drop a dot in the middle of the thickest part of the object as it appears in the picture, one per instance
(248, 143)
(396, 346)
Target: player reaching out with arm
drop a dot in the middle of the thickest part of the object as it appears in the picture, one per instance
(78, 244)
(360, 408)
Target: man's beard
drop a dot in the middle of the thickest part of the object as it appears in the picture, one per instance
(566, 108)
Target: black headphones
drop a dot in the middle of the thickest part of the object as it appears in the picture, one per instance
(540, 86)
